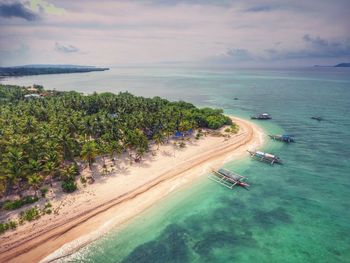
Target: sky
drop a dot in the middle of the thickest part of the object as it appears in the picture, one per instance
(242, 33)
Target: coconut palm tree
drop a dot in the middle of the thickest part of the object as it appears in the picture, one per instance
(13, 167)
(50, 169)
(35, 180)
(89, 152)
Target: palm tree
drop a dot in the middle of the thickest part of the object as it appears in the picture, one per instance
(89, 152)
(68, 172)
(50, 169)
(13, 167)
(115, 149)
(34, 166)
(35, 181)
(158, 138)
(67, 143)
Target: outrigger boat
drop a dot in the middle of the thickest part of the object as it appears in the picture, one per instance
(228, 178)
(265, 157)
(283, 138)
(262, 116)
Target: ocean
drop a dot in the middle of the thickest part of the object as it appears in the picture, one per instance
(296, 212)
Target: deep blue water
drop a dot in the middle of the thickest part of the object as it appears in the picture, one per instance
(298, 212)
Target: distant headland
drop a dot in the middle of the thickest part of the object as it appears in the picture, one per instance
(340, 65)
(27, 70)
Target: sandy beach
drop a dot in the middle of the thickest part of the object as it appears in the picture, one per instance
(126, 191)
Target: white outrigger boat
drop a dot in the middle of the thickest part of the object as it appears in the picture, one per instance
(265, 157)
(228, 178)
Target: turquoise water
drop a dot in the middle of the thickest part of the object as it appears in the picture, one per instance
(298, 212)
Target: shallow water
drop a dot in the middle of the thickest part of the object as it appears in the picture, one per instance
(298, 212)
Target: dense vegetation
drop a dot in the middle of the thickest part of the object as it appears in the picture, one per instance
(41, 139)
(25, 71)
(14, 204)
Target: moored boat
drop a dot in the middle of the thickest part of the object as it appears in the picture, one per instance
(228, 178)
(262, 116)
(283, 138)
(265, 157)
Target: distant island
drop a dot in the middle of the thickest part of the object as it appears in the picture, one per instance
(340, 65)
(27, 70)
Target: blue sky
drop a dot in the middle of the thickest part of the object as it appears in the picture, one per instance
(175, 32)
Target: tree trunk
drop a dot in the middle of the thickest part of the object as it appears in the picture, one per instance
(9, 188)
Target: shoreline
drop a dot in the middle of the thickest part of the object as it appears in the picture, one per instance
(55, 238)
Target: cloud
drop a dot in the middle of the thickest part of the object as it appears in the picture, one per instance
(45, 7)
(324, 44)
(259, 8)
(239, 54)
(65, 48)
(317, 47)
(154, 31)
(191, 2)
(9, 10)
(327, 48)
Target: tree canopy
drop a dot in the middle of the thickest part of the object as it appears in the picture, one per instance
(42, 137)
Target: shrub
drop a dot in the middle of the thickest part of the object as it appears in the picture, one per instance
(44, 191)
(12, 205)
(12, 224)
(182, 145)
(83, 180)
(4, 227)
(47, 208)
(48, 211)
(68, 172)
(234, 128)
(198, 135)
(69, 186)
(30, 214)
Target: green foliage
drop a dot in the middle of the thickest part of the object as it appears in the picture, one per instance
(215, 122)
(44, 191)
(3, 227)
(48, 211)
(69, 186)
(83, 180)
(42, 139)
(68, 172)
(29, 215)
(15, 204)
(12, 224)
(89, 152)
(234, 128)
(6, 226)
(47, 208)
